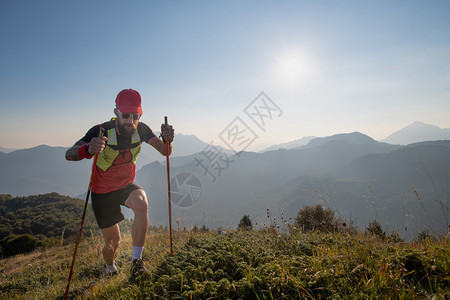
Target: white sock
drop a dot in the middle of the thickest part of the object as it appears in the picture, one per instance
(111, 268)
(137, 252)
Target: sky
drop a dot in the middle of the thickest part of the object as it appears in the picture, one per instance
(271, 71)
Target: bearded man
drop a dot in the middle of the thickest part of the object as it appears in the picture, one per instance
(117, 144)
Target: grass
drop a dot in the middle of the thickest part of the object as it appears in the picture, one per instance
(240, 265)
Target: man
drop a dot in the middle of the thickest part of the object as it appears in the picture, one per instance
(117, 144)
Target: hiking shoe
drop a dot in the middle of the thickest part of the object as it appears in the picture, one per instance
(138, 271)
(110, 271)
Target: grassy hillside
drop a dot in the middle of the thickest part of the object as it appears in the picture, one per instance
(240, 265)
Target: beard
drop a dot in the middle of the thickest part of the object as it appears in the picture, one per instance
(126, 129)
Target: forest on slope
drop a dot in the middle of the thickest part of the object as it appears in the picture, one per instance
(40, 221)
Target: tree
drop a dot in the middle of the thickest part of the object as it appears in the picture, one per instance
(245, 223)
(312, 218)
(374, 228)
(424, 235)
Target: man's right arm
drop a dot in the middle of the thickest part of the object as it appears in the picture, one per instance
(72, 153)
(95, 146)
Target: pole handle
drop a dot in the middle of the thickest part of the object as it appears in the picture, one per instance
(165, 120)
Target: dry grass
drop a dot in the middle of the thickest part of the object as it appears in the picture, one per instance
(247, 265)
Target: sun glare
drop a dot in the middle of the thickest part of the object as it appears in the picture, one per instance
(294, 68)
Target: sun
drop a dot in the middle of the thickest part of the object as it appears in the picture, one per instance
(294, 68)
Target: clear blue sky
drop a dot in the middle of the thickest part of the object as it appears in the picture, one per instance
(330, 66)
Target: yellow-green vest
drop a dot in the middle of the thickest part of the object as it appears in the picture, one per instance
(111, 151)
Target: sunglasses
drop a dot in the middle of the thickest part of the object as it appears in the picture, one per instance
(126, 116)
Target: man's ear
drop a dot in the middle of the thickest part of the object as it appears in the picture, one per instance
(116, 112)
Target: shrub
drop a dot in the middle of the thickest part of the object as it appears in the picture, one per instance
(312, 218)
(22, 243)
(424, 235)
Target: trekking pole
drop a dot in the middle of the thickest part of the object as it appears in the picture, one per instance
(82, 221)
(168, 191)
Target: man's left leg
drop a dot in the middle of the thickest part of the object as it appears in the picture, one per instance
(137, 201)
(111, 236)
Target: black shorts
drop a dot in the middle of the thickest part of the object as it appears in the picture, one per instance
(106, 207)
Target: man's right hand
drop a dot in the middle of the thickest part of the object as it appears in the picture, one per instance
(97, 145)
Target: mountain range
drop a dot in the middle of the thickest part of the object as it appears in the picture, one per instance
(403, 187)
(360, 181)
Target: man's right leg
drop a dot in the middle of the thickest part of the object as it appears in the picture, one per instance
(111, 236)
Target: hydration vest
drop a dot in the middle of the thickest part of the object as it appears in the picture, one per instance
(110, 154)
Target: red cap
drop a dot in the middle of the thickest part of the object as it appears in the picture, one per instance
(129, 101)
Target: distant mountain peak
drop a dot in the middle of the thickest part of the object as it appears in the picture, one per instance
(419, 124)
(418, 132)
(352, 137)
(6, 150)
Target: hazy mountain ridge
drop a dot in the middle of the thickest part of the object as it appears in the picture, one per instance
(288, 179)
(290, 145)
(342, 171)
(353, 137)
(381, 186)
(44, 169)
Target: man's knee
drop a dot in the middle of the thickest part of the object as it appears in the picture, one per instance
(141, 205)
(138, 201)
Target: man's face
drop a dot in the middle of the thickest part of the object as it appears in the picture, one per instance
(127, 122)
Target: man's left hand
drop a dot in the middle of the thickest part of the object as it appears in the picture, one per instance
(167, 132)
